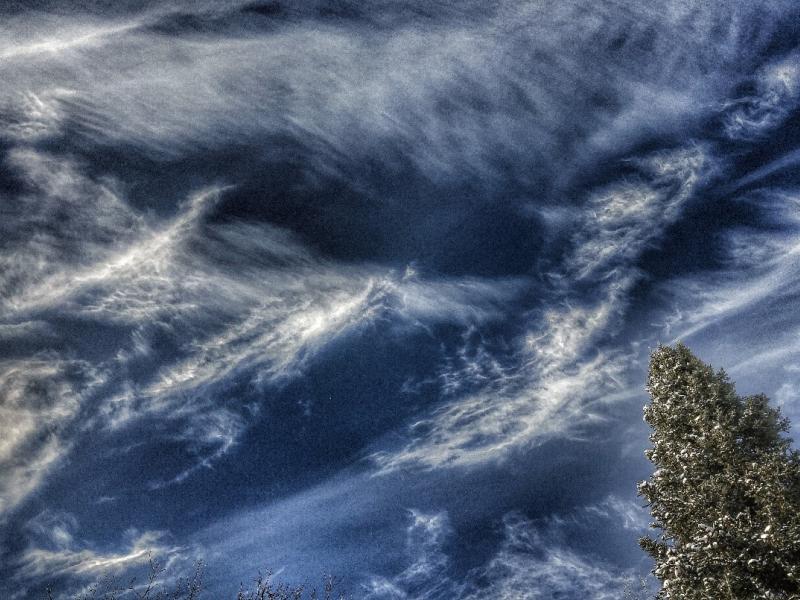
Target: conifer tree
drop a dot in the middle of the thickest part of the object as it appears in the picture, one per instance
(725, 495)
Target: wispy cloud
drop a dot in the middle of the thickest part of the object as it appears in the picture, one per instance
(736, 315)
(760, 266)
(427, 575)
(89, 563)
(625, 218)
(184, 182)
(62, 222)
(564, 373)
(39, 399)
(777, 93)
(533, 560)
(446, 90)
(530, 565)
(82, 251)
(58, 557)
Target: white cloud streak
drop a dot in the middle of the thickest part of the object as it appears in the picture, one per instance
(740, 315)
(760, 266)
(565, 382)
(39, 399)
(531, 566)
(76, 247)
(57, 556)
(563, 378)
(426, 576)
(92, 564)
(533, 559)
(777, 94)
(62, 222)
(101, 260)
(447, 91)
(450, 97)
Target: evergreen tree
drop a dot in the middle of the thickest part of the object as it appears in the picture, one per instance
(725, 495)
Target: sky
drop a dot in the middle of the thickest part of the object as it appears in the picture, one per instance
(369, 288)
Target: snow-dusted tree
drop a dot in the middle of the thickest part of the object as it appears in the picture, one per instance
(725, 495)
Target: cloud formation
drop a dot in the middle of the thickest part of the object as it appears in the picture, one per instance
(242, 247)
(39, 400)
(566, 376)
(533, 560)
(75, 246)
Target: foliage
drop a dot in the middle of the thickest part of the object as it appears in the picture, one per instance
(636, 590)
(190, 588)
(187, 588)
(266, 590)
(725, 495)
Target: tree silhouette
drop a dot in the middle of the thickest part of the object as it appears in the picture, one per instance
(154, 587)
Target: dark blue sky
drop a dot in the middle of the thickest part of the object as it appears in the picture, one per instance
(370, 287)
